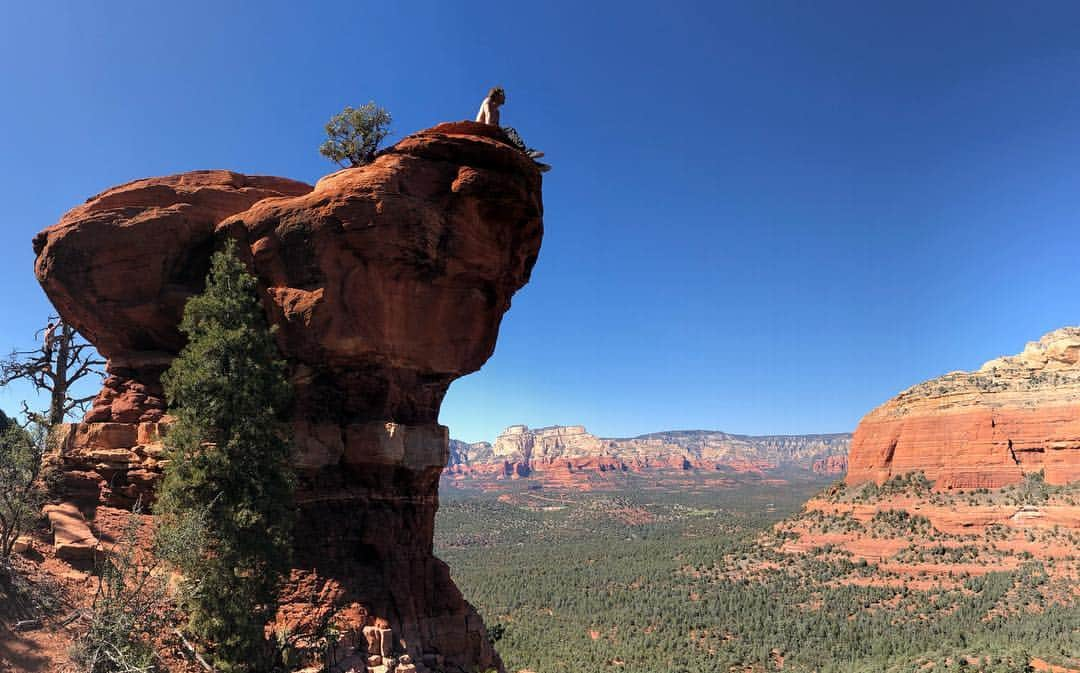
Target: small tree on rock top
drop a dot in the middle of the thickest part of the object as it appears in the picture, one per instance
(230, 464)
(354, 135)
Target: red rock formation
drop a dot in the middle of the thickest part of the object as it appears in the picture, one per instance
(1010, 534)
(387, 283)
(832, 465)
(568, 456)
(121, 266)
(985, 428)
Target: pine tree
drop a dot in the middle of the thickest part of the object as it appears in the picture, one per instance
(20, 496)
(230, 464)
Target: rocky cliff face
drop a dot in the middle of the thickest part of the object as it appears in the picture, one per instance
(832, 465)
(943, 480)
(122, 265)
(386, 282)
(776, 450)
(464, 453)
(521, 452)
(985, 428)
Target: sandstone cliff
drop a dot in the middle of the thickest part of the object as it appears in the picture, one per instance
(387, 282)
(464, 453)
(966, 474)
(985, 428)
(835, 465)
(521, 452)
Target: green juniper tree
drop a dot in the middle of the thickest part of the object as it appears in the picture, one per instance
(230, 464)
(354, 134)
(20, 465)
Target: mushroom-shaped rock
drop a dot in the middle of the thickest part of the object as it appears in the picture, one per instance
(387, 282)
(390, 281)
(121, 266)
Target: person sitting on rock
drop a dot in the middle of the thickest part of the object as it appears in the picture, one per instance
(489, 114)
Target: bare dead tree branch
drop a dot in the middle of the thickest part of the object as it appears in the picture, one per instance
(31, 417)
(62, 359)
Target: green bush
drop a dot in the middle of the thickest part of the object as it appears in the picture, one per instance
(20, 497)
(354, 135)
(1034, 490)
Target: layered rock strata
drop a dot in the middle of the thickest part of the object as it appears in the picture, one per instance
(557, 452)
(935, 538)
(980, 438)
(986, 428)
(385, 283)
(831, 465)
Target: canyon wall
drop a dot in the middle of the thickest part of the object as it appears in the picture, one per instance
(981, 439)
(385, 283)
(521, 452)
(985, 428)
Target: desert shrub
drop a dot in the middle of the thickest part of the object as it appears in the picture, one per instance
(122, 612)
(495, 632)
(20, 497)
(131, 605)
(1033, 490)
(909, 483)
(899, 522)
(353, 135)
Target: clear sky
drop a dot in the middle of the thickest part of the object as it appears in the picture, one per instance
(764, 217)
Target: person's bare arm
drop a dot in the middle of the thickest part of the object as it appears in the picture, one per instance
(489, 114)
(484, 115)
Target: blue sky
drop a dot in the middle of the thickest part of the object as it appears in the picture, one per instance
(764, 217)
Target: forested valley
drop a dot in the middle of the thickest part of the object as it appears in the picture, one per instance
(647, 580)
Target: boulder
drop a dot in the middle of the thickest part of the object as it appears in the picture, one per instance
(22, 545)
(72, 538)
(121, 266)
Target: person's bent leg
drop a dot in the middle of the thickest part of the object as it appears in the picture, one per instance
(515, 138)
(519, 142)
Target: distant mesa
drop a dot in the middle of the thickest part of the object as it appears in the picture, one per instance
(987, 428)
(569, 454)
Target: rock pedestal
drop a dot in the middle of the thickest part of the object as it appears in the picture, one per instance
(385, 283)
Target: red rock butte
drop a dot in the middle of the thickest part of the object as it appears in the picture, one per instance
(386, 283)
(986, 428)
(571, 458)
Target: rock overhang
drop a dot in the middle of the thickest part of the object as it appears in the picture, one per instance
(385, 282)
